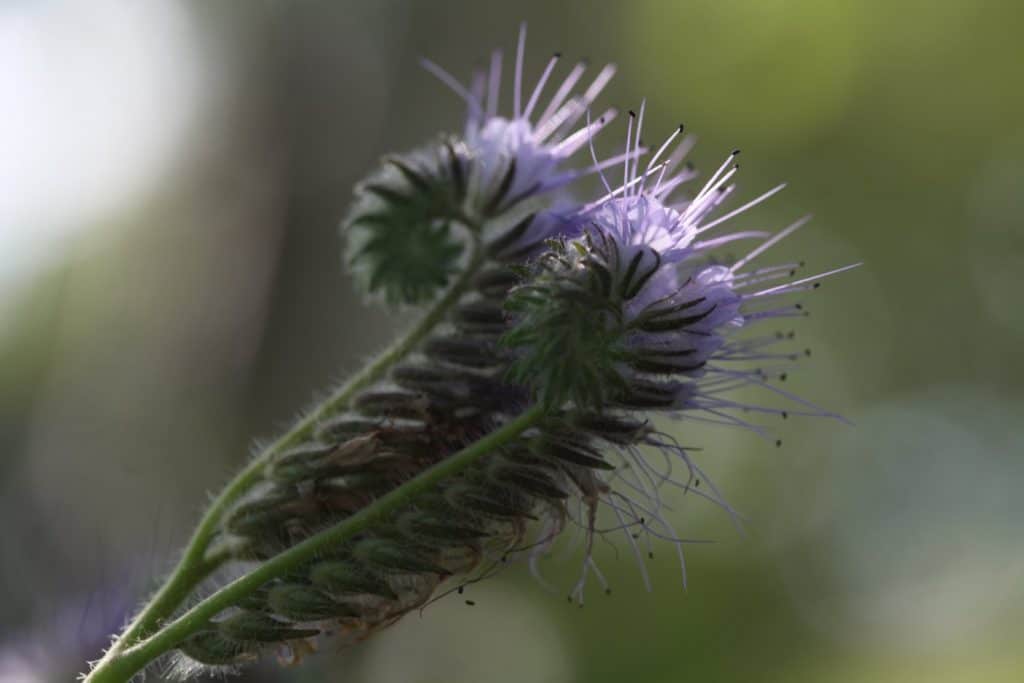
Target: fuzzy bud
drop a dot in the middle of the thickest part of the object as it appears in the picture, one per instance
(568, 333)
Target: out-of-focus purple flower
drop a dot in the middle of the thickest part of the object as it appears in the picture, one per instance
(57, 648)
(522, 154)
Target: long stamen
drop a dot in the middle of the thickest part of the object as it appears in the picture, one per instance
(636, 144)
(593, 155)
(597, 167)
(748, 205)
(629, 136)
(611, 193)
(563, 91)
(661, 150)
(591, 93)
(517, 85)
(812, 278)
(767, 244)
(540, 85)
(572, 144)
(729, 160)
(732, 237)
(453, 84)
(494, 84)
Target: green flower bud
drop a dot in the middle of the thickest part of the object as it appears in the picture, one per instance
(567, 332)
(342, 577)
(260, 628)
(300, 602)
(215, 649)
(394, 556)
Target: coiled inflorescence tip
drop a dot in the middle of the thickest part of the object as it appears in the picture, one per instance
(401, 230)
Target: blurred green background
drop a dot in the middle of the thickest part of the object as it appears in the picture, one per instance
(171, 179)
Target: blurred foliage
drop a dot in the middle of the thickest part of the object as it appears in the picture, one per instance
(134, 369)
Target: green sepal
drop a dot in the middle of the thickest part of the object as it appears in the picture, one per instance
(301, 602)
(215, 649)
(261, 628)
(395, 556)
(341, 577)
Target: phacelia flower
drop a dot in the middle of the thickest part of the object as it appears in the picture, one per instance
(684, 312)
(637, 318)
(517, 156)
(412, 221)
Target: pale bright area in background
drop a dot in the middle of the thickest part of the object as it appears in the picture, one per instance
(96, 103)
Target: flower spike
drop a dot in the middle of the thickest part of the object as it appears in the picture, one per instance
(521, 409)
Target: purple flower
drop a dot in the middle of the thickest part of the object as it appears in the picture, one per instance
(685, 316)
(638, 317)
(522, 155)
(75, 628)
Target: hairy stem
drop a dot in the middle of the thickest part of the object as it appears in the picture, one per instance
(194, 565)
(130, 661)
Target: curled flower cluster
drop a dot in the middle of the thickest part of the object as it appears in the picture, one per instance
(401, 239)
(413, 219)
(603, 314)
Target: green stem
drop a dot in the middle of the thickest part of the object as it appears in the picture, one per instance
(194, 566)
(130, 661)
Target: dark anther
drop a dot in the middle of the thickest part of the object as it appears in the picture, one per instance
(470, 603)
(778, 443)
